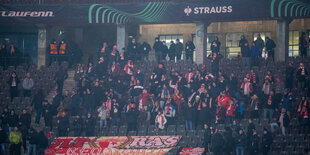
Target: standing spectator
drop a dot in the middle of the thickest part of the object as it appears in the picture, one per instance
(115, 114)
(160, 120)
(207, 137)
(131, 116)
(90, 122)
(253, 146)
(245, 51)
(158, 49)
(165, 50)
(259, 42)
(189, 117)
(12, 120)
(301, 75)
(215, 61)
(60, 77)
(270, 105)
(63, 125)
(178, 49)
(33, 142)
(145, 49)
(37, 102)
(114, 55)
(25, 118)
(77, 126)
(282, 122)
(215, 45)
(302, 111)
(103, 50)
(240, 143)
(133, 49)
(4, 119)
(172, 51)
(47, 114)
(254, 54)
(246, 87)
(254, 106)
(28, 84)
(103, 115)
(189, 50)
(3, 140)
(289, 76)
(42, 143)
(75, 103)
(217, 142)
(13, 56)
(15, 141)
(266, 142)
(303, 45)
(270, 45)
(169, 112)
(13, 83)
(3, 54)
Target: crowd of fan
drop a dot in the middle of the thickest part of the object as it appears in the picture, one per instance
(119, 90)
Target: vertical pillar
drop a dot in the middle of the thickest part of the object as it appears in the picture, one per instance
(281, 52)
(201, 34)
(42, 46)
(122, 36)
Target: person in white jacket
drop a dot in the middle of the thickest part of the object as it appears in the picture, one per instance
(160, 120)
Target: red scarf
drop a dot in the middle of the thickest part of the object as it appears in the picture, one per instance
(253, 77)
(301, 105)
(113, 53)
(189, 76)
(199, 105)
(89, 69)
(269, 100)
(168, 109)
(129, 68)
(160, 116)
(303, 71)
(305, 114)
(103, 49)
(163, 93)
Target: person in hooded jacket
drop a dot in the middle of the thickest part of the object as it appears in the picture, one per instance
(158, 45)
(37, 103)
(90, 122)
(267, 140)
(42, 143)
(77, 126)
(189, 50)
(3, 140)
(240, 143)
(32, 137)
(12, 120)
(145, 49)
(253, 145)
(131, 116)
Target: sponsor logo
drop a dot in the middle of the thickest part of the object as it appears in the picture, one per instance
(187, 11)
(208, 10)
(26, 13)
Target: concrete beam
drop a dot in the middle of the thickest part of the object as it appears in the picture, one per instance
(281, 52)
(42, 46)
(201, 42)
(122, 36)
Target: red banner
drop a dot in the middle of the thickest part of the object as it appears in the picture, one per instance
(112, 145)
(192, 151)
